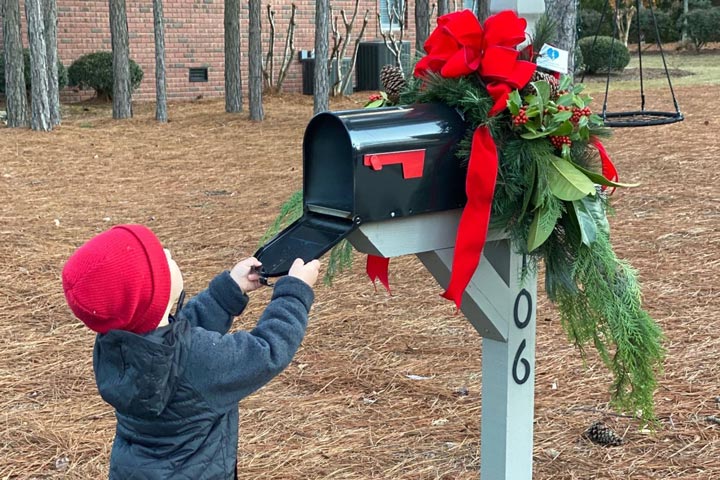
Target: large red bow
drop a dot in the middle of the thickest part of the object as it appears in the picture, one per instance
(460, 46)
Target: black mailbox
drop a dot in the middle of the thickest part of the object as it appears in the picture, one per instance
(370, 165)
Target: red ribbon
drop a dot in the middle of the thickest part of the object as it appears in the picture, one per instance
(377, 269)
(608, 168)
(475, 219)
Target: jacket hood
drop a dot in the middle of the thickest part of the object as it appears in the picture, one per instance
(138, 374)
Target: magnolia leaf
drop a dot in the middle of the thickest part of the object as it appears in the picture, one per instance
(585, 222)
(567, 182)
(529, 192)
(596, 209)
(572, 227)
(540, 229)
(601, 180)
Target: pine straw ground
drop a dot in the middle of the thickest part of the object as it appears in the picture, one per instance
(210, 183)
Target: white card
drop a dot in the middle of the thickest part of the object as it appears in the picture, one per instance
(553, 58)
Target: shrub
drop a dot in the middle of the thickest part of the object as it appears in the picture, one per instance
(62, 72)
(702, 26)
(94, 70)
(588, 21)
(601, 54)
(666, 26)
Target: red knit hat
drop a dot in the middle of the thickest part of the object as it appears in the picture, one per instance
(119, 279)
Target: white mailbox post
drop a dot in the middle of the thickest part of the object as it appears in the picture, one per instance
(500, 303)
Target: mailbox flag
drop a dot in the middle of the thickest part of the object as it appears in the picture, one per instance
(412, 161)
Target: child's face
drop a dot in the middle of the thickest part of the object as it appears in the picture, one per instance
(176, 278)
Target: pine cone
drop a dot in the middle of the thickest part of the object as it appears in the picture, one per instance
(603, 435)
(393, 82)
(548, 77)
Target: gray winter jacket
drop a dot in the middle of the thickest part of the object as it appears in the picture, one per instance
(176, 389)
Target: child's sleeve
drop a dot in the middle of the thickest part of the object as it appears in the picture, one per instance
(227, 368)
(215, 307)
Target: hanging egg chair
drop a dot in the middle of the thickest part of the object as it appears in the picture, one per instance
(639, 117)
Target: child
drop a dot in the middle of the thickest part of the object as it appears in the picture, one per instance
(175, 380)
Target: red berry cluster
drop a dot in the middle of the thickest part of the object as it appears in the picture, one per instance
(375, 96)
(559, 140)
(521, 118)
(580, 112)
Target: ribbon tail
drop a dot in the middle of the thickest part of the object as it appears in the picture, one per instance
(608, 168)
(377, 269)
(475, 219)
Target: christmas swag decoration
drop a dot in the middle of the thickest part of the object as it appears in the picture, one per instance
(536, 168)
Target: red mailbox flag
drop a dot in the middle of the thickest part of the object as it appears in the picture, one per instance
(412, 161)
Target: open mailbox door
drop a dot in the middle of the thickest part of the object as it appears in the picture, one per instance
(370, 165)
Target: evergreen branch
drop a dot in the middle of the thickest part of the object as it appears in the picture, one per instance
(340, 259)
(290, 211)
(608, 310)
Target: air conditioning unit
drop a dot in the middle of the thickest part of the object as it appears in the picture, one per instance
(308, 75)
(371, 57)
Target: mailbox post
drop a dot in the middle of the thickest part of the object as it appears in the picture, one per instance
(500, 303)
(389, 181)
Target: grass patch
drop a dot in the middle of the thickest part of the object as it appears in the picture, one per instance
(686, 69)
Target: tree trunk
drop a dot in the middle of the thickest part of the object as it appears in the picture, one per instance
(321, 98)
(443, 7)
(122, 89)
(564, 13)
(161, 114)
(233, 81)
(255, 77)
(40, 107)
(483, 10)
(15, 94)
(422, 24)
(51, 37)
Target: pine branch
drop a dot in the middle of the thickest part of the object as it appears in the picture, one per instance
(290, 211)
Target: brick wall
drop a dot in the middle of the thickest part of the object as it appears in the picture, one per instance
(194, 38)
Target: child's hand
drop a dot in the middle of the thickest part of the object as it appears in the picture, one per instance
(245, 276)
(307, 272)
